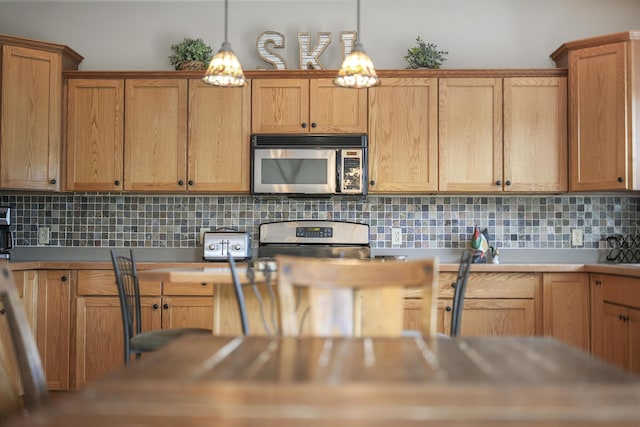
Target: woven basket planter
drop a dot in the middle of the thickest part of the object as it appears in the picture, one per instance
(192, 66)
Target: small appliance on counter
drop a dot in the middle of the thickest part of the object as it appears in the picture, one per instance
(6, 237)
(218, 244)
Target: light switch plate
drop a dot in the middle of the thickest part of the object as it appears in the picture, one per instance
(576, 237)
(44, 234)
(396, 236)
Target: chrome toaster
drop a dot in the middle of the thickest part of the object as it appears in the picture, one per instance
(218, 244)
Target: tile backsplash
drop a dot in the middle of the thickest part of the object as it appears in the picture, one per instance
(174, 221)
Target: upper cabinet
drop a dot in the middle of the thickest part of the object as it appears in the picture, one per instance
(307, 106)
(604, 93)
(403, 136)
(174, 135)
(503, 134)
(31, 119)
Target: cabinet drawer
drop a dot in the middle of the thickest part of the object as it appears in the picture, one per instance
(486, 285)
(205, 289)
(103, 282)
(621, 290)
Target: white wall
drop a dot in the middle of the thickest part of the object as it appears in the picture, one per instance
(136, 35)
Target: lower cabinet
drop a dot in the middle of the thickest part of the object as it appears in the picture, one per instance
(496, 304)
(53, 325)
(99, 344)
(565, 307)
(615, 315)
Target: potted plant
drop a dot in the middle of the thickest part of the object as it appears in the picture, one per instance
(190, 54)
(425, 55)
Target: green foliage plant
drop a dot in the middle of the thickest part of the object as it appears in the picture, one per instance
(190, 50)
(425, 55)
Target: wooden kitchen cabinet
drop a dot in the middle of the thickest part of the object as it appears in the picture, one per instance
(95, 134)
(615, 315)
(99, 343)
(496, 304)
(403, 136)
(53, 330)
(26, 286)
(604, 93)
(307, 106)
(30, 113)
(470, 134)
(565, 307)
(155, 135)
(218, 138)
(535, 134)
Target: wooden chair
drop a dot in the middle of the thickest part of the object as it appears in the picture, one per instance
(26, 351)
(135, 340)
(460, 289)
(349, 297)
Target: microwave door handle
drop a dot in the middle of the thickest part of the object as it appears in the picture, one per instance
(339, 171)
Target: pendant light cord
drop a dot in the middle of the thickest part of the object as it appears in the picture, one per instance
(226, 18)
(358, 20)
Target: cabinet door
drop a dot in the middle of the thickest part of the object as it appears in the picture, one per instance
(280, 106)
(412, 315)
(403, 136)
(31, 119)
(470, 134)
(54, 326)
(95, 153)
(155, 141)
(187, 312)
(633, 324)
(535, 134)
(218, 143)
(497, 317)
(335, 109)
(566, 308)
(598, 116)
(616, 349)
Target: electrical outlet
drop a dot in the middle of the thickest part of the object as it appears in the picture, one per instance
(44, 235)
(202, 231)
(396, 236)
(576, 237)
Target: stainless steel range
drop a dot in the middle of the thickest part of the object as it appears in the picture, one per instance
(326, 239)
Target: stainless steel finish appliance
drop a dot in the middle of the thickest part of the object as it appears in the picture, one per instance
(6, 237)
(218, 244)
(309, 164)
(327, 239)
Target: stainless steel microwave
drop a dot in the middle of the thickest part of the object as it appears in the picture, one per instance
(309, 164)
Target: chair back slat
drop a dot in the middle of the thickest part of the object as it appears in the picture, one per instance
(25, 347)
(460, 289)
(349, 297)
(129, 293)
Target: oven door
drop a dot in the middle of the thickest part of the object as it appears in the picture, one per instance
(293, 171)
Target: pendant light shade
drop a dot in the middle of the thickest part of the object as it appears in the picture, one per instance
(357, 69)
(225, 69)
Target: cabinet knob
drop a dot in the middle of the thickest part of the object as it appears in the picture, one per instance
(190, 182)
(453, 285)
(598, 282)
(117, 182)
(2, 312)
(181, 182)
(203, 284)
(63, 278)
(447, 308)
(372, 182)
(620, 179)
(313, 125)
(165, 306)
(53, 181)
(155, 306)
(508, 182)
(498, 182)
(304, 125)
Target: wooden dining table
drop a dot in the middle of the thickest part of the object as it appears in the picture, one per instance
(274, 381)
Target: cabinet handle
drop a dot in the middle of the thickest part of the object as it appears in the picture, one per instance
(181, 182)
(155, 306)
(498, 182)
(598, 282)
(620, 179)
(447, 308)
(117, 182)
(453, 285)
(2, 312)
(508, 182)
(165, 306)
(372, 182)
(63, 278)
(304, 125)
(190, 182)
(53, 181)
(313, 125)
(203, 284)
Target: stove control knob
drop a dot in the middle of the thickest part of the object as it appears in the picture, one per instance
(237, 247)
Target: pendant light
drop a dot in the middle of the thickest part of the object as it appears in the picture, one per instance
(357, 69)
(225, 69)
